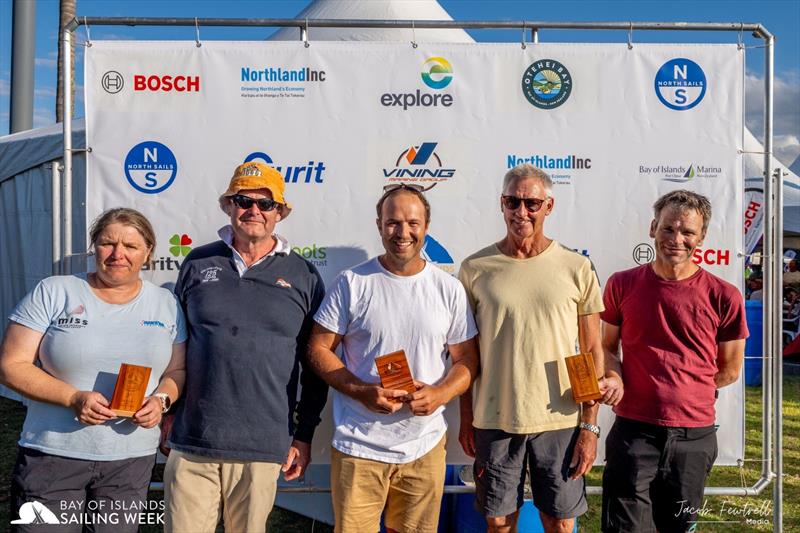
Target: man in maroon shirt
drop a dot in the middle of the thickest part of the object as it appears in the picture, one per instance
(682, 333)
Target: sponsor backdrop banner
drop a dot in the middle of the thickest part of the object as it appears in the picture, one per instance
(167, 122)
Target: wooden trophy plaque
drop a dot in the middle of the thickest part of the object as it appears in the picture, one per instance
(130, 389)
(394, 372)
(582, 377)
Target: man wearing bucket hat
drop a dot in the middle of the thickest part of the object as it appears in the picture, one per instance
(249, 302)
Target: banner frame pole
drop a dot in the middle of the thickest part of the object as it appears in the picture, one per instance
(774, 200)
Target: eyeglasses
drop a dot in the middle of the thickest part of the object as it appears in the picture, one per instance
(531, 204)
(407, 186)
(245, 202)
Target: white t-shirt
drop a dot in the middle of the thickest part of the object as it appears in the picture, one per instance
(377, 313)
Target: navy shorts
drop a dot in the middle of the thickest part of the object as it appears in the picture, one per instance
(654, 476)
(501, 460)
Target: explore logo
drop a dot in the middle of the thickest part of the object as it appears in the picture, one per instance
(437, 74)
(440, 73)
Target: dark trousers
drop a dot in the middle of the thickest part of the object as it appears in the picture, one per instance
(654, 476)
(80, 495)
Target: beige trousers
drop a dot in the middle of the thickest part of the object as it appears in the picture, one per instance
(197, 488)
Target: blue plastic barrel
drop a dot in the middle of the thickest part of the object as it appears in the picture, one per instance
(754, 346)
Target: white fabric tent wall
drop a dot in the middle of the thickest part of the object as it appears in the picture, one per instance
(26, 160)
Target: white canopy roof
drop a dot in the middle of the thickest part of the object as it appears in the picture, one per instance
(375, 10)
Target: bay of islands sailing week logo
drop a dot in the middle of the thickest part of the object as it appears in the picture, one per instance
(35, 513)
(546, 84)
(680, 84)
(150, 167)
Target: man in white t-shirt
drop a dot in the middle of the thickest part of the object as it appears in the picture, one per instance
(388, 445)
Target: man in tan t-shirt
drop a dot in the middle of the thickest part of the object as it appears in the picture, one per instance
(533, 300)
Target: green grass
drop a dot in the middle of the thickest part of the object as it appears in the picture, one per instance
(722, 508)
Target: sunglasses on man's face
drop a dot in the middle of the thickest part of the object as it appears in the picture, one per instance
(407, 186)
(531, 204)
(245, 202)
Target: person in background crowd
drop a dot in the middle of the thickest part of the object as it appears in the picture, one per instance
(534, 301)
(682, 332)
(389, 445)
(248, 301)
(62, 350)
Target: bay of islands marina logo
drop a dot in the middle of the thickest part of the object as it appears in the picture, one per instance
(546, 83)
(680, 172)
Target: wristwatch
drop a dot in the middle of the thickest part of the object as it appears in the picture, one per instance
(590, 427)
(166, 403)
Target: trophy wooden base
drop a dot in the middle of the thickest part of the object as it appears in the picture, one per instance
(130, 389)
(394, 372)
(583, 377)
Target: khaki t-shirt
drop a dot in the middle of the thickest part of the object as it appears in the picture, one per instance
(527, 314)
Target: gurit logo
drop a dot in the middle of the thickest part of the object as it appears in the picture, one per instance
(112, 82)
(439, 73)
(312, 172)
(419, 164)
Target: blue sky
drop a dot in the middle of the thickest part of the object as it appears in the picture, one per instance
(781, 17)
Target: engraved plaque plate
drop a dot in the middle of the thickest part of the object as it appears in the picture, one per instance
(394, 372)
(130, 389)
(582, 377)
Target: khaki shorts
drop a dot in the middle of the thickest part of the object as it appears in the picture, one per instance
(410, 492)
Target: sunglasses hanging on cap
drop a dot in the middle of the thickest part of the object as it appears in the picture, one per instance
(245, 202)
(407, 186)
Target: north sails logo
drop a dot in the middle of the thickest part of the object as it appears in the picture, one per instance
(280, 282)
(153, 323)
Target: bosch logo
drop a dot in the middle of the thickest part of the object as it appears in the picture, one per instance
(643, 253)
(750, 214)
(112, 82)
(181, 84)
(711, 256)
